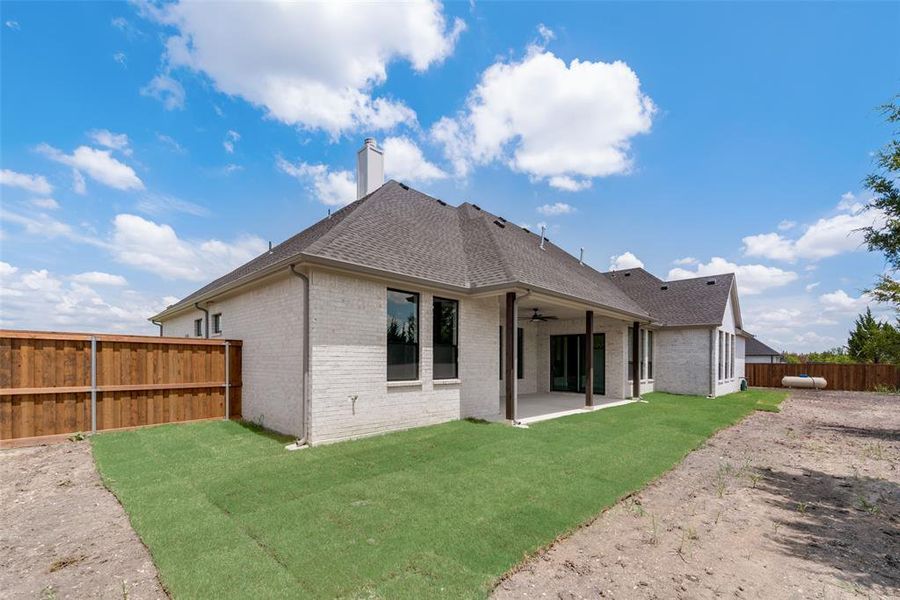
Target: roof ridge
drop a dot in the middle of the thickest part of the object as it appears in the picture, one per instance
(463, 212)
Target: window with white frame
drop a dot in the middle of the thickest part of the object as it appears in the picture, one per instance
(198, 327)
(732, 355)
(721, 357)
(217, 323)
(649, 355)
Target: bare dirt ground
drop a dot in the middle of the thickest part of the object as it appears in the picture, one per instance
(800, 504)
(62, 534)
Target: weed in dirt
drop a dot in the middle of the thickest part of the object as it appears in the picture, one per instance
(78, 436)
(755, 477)
(801, 507)
(48, 593)
(124, 590)
(864, 505)
(653, 538)
(875, 451)
(68, 561)
(887, 390)
(65, 483)
(718, 516)
(722, 480)
(637, 509)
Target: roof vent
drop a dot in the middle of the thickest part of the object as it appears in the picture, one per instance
(627, 274)
(404, 186)
(502, 220)
(499, 224)
(663, 287)
(476, 207)
(441, 202)
(711, 282)
(581, 257)
(543, 228)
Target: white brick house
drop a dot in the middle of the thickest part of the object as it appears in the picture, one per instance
(399, 311)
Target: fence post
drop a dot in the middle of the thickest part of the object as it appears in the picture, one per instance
(227, 380)
(93, 384)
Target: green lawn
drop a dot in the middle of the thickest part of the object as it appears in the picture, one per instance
(438, 511)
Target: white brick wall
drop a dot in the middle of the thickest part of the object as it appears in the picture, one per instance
(682, 361)
(269, 319)
(349, 359)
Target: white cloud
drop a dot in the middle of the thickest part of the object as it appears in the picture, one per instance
(99, 278)
(546, 33)
(627, 260)
(166, 90)
(332, 188)
(161, 204)
(98, 164)
(113, 141)
(850, 203)
(79, 186)
(404, 160)
(557, 208)
(563, 122)
(840, 301)
(829, 236)
(121, 58)
(687, 260)
(171, 143)
(44, 226)
(39, 299)
(36, 184)
(12, 24)
(569, 184)
(751, 279)
(231, 138)
(812, 286)
(312, 65)
(45, 203)
(156, 247)
(785, 225)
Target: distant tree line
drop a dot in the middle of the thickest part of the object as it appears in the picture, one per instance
(870, 341)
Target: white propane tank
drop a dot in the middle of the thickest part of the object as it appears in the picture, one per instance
(803, 381)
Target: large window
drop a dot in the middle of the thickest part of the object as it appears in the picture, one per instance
(402, 336)
(520, 352)
(446, 338)
(649, 355)
(721, 361)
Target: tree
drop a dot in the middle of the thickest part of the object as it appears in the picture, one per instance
(873, 341)
(886, 237)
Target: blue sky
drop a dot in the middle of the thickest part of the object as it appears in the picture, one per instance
(147, 149)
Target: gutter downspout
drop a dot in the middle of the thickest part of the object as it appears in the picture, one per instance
(302, 441)
(158, 324)
(205, 320)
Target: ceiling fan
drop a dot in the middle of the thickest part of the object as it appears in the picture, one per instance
(537, 316)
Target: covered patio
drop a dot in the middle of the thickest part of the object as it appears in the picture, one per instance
(551, 405)
(560, 357)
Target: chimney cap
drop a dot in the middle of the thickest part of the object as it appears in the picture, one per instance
(369, 141)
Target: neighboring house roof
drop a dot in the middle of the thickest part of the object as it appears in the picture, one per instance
(754, 347)
(683, 302)
(398, 230)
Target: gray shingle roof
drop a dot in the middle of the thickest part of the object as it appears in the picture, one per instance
(398, 230)
(754, 347)
(677, 303)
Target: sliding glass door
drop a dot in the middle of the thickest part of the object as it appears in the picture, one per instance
(567, 366)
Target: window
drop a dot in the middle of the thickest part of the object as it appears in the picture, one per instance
(721, 335)
(520, 352)
(732, 356)
(643, 336)
(217, 323)
(445, 338)
(642, 363)
(198, 327)
(649, 355)
(402, 336)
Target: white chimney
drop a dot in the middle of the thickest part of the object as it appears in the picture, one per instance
(369, 168)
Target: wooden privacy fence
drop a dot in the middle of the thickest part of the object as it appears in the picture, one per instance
(61, 383)
(853, 377)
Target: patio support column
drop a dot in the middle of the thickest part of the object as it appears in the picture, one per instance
(636, 360)
(511, 368)
(589, 358)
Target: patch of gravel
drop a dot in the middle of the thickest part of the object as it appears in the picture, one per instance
(62, 534)
(799, 504)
